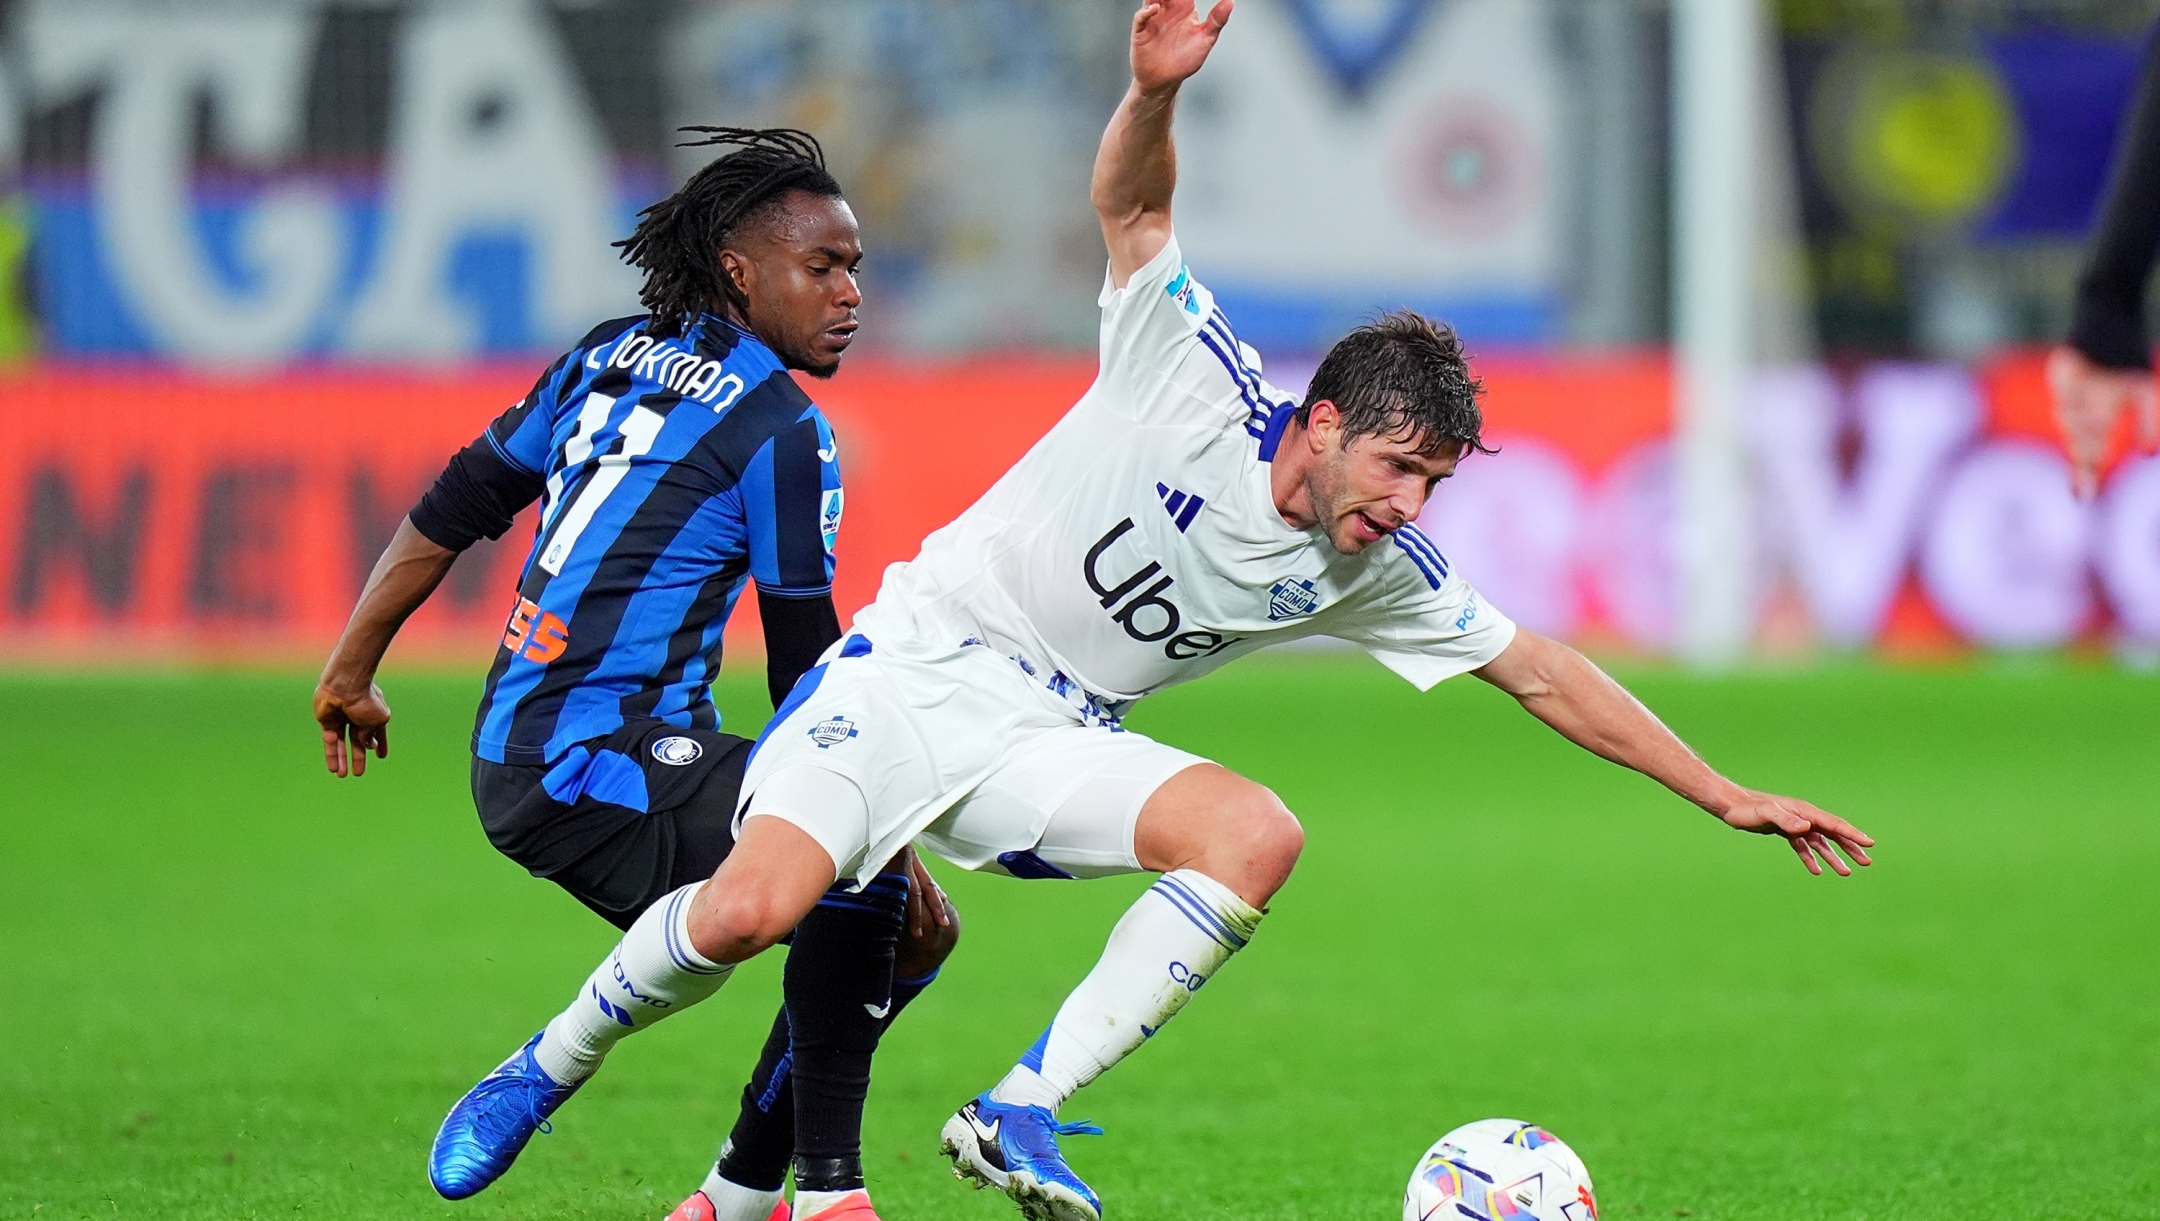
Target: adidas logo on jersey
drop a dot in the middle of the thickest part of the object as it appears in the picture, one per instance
(1181, 507)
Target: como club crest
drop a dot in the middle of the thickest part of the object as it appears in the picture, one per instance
(832, 731)
(1290, 597)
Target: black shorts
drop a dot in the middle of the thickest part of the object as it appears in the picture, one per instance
(621, 820)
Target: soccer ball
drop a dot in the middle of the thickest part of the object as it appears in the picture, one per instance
(1497, 1168)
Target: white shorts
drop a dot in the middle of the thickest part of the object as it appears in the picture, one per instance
(965, 753)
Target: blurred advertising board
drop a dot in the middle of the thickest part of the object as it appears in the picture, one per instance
(228, 181)
(1920, 508)
(1911, 507)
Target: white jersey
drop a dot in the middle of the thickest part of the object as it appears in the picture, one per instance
(1138, 546)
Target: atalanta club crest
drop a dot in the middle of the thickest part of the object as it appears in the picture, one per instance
(831, 732)
(677, 751)
(1291, 598)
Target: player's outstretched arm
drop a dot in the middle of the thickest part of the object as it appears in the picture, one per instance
(348, 705)
(1136, 167)
(1564, 689)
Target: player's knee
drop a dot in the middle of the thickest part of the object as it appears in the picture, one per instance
(920, 955)
(1275, 839)
(730, 924)
(1256, 844)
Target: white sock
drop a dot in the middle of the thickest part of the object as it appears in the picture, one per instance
(1163, 950)
(810, 1203)
(732, 1201)
(652, 973)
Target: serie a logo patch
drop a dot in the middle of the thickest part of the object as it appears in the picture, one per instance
(829, 517)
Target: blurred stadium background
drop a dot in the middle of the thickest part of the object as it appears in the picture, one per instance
(271, 261)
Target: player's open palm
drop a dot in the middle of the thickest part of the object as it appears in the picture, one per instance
(1172, 38)
(1810, 830)
(353, 723)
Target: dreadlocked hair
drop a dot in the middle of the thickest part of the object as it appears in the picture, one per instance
(677, 241)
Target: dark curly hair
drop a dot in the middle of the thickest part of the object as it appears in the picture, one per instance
(1402, 372)
(677, 241)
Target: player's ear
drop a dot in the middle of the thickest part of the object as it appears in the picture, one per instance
(1323, 422)
(736, 268)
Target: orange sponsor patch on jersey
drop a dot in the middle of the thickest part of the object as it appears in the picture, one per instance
(535, 634)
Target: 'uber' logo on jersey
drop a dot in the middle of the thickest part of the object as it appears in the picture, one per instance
(1290, 597)
(1147, 616)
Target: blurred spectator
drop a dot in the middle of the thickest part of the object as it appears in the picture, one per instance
(2106, 365)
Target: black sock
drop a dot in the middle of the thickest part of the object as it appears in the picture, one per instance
(840, 996)
(757, 1151)
(906, 990)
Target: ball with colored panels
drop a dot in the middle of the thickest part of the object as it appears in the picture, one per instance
(1499, 1168)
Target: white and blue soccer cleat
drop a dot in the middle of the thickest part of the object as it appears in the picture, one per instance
(1015, 1150)
(489, 1126)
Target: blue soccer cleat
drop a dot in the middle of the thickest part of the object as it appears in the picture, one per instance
(1015, 1150)
(489, 1126)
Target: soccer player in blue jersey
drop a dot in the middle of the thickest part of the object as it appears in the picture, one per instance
(675, 459)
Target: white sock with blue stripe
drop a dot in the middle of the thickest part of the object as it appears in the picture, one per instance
(652, 973)
(1165, 948)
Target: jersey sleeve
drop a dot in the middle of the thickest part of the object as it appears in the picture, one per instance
(791, 502)
(477, 496)
(1167, 354)
(485, 484)
(1423, 621)
(524, 435)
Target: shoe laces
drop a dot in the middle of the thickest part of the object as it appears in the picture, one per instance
(498, 1123)
(1086, 1127)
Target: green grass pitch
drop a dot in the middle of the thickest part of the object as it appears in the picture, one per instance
(237, 988)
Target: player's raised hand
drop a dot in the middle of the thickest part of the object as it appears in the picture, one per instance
(2089, 399)
(353, 723)
(1172, 38)
(1814, 833)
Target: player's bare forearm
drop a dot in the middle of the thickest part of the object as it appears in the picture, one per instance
(348, 705)
(1136, 165)
(408, 571)
(1567, 691)
(1135, 175)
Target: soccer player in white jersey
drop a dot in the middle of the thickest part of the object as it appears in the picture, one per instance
(1183, 513)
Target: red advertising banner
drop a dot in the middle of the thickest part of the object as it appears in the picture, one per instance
(152, 513)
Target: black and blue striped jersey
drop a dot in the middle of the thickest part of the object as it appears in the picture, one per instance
(670, 471)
